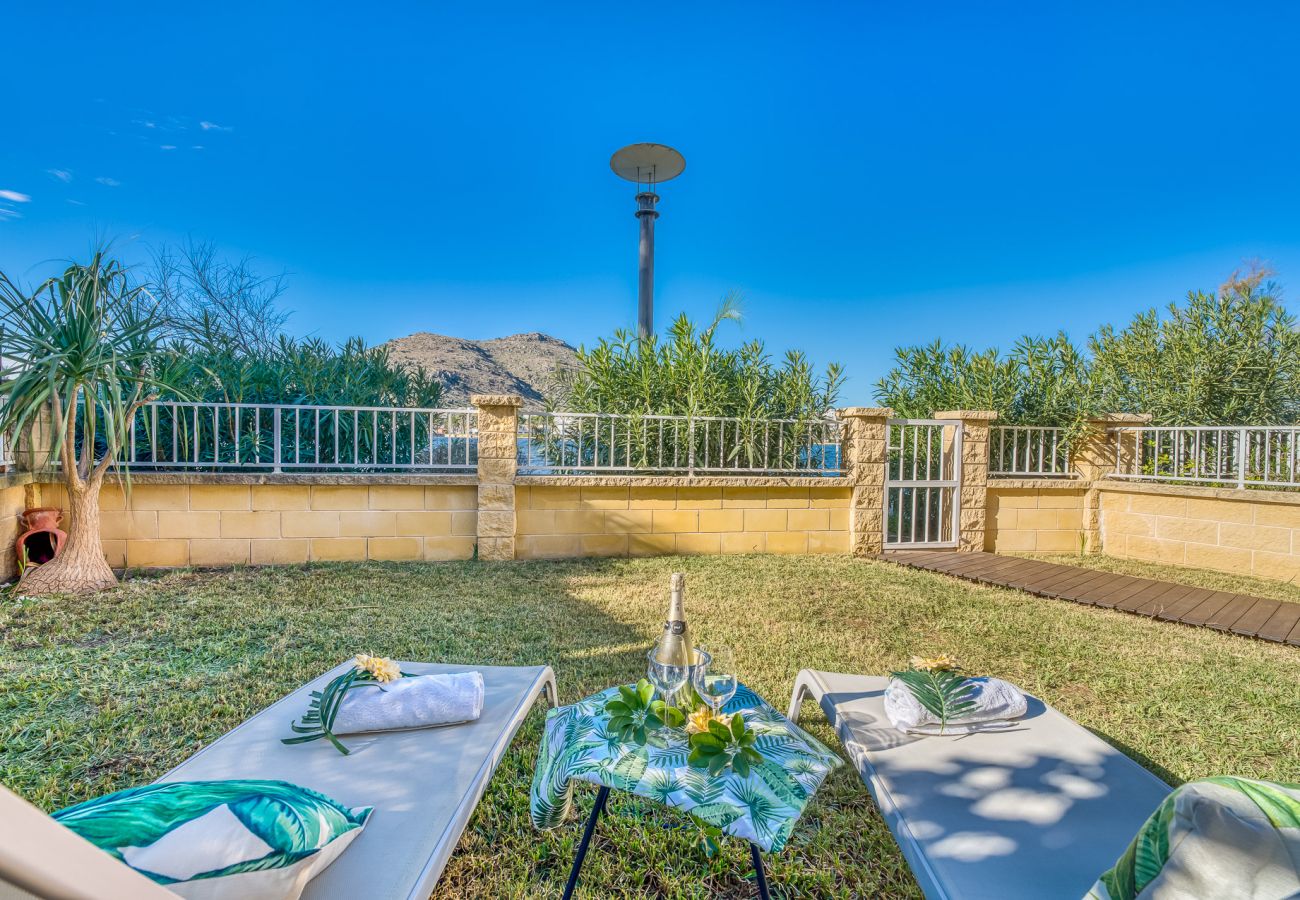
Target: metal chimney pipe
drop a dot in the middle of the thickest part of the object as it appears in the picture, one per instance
(647, 213)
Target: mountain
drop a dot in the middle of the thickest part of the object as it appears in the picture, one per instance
(521, 364)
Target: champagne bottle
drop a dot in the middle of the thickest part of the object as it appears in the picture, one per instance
(675, 646)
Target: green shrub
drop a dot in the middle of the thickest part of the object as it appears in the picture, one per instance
(294, 371)
(1226, 358)
(688, 374)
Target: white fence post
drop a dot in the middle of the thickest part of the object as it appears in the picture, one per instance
(275, 442)
(1241, 458)
(690, 446)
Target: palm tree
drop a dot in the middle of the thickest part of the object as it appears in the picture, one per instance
(80, 347)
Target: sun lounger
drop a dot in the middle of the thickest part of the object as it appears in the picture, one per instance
(424, 784)
(1037, 810)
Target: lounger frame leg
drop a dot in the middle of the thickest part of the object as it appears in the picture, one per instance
(760, 876)
(805, 688)
(596, 810)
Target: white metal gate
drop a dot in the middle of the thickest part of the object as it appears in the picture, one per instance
(922, 483)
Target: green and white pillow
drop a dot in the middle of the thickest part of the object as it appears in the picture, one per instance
(211, 839)
(1228, 838)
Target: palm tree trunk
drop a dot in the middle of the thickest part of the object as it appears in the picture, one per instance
(80, 567)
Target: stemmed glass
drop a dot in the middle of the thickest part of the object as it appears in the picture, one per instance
(666, 678)
(715, 678)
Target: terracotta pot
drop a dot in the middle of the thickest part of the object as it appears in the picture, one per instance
(43, 518)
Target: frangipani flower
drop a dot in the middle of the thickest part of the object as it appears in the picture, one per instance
(941, 663)
(382, 669)
(698, 721)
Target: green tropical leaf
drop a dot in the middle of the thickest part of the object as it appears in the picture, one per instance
(779, 782)
(945, 693)
(700, 788)
(1280, 802)
(660, 785)
(764, 812)
(630, 768)
(719, 731)
(669, 715)
(719, 815)
(1143, 859)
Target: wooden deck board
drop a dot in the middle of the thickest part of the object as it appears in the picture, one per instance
(1279, 625)
(1224, 619)
(1206, 611)
(1270, 620)
(1255, 617)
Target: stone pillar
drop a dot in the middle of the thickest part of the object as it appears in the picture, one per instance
(866, 432)
(974, 474)
(498, 431)
(1093, 459)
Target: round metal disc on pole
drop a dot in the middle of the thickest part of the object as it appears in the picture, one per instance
(647, 163)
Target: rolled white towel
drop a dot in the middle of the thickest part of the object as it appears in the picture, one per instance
(996, 703)
(415, 702)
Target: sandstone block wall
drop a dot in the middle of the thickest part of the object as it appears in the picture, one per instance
(13, 500)
(1245, 532)
(556, 521)
(165, 525)
(1047, 519)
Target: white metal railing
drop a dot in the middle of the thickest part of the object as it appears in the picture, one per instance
(279, 437)
(575, 443)
(1243, 457)
(1023, 451)
(6, 453)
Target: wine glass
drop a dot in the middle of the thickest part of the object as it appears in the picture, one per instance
(715, 681)
(667, 678)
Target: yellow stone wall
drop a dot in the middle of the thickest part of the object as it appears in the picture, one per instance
(1034, 520)
(164, 525)
(1244, 532)
(560, 521)
(13, 500)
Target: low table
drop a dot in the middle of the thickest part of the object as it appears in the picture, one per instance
(761, 807)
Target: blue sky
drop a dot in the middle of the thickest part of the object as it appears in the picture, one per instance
(867, 175)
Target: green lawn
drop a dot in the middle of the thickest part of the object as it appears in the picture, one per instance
(105, 692)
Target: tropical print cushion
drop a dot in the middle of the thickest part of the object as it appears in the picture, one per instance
(1228, 838)
(209, 839)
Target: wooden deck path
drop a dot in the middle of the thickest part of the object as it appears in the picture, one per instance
(1269, 620)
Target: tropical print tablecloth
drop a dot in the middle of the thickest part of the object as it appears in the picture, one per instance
(762, 807)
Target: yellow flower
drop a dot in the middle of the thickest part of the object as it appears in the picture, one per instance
(383, 670)
(941, 663)
(699, 720)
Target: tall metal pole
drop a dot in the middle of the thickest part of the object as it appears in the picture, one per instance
(647, 213)
(647, 166)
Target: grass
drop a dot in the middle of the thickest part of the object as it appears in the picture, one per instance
(1203, 578)
(105, 692)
